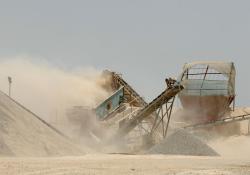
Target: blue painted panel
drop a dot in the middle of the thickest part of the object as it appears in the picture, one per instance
(110, 104)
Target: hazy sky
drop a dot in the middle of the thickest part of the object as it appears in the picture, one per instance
(145, 40)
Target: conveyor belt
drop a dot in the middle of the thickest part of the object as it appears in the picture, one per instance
(220, 122)
(130, 93)
(163, 98)
(131, 96)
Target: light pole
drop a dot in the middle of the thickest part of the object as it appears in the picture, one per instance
(10, 81)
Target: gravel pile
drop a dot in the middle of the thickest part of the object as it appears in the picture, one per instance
(183, 143)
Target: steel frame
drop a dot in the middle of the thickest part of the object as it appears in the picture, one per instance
(164, 111)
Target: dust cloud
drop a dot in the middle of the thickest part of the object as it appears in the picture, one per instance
(49, 91)
(234, 146)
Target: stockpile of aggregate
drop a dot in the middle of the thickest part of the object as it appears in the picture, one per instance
(22, 133)
(182, 142)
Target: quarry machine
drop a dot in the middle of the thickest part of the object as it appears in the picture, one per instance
(207, 89)
(151, 119)
(208, 97)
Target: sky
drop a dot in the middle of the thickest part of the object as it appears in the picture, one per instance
(144, 40)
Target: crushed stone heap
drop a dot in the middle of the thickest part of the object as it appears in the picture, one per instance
(22, 133)
(183, 143)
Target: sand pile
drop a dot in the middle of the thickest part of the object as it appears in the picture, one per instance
(23, 134)
(183, 143)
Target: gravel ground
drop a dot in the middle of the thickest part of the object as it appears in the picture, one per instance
(125, 164)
